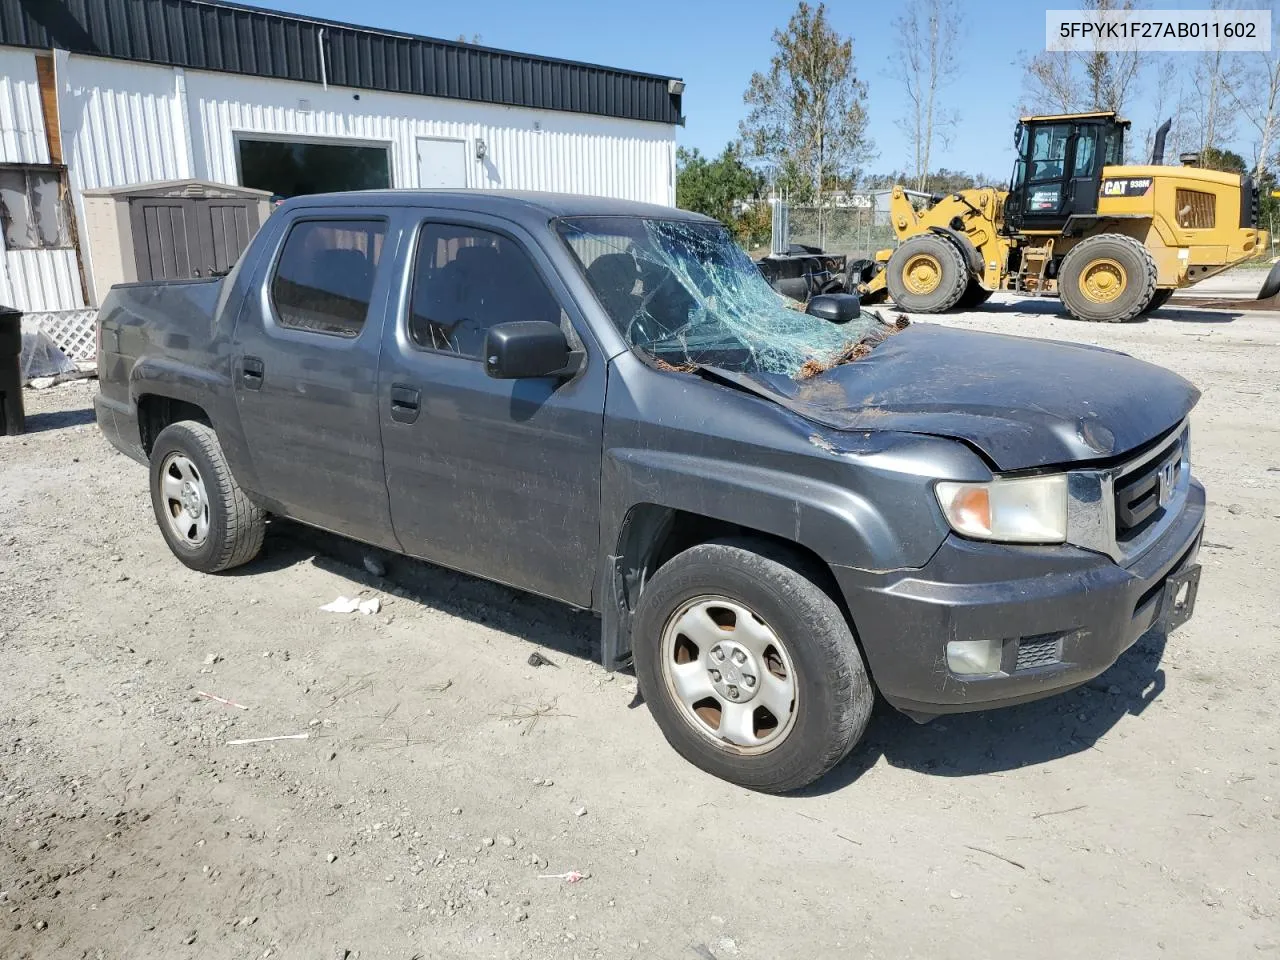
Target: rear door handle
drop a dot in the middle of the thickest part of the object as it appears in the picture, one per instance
(406, 403)
(252, 373)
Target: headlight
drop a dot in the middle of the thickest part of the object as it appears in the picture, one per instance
(1022, 510)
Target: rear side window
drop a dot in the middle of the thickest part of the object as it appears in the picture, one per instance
(324, 278)
(466, 280)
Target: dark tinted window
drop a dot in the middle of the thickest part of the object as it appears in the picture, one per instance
(1086, 152)
(1049, 151)
(466, 280)
(324, 279)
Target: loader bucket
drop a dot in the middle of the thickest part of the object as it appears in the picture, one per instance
(1271, 286)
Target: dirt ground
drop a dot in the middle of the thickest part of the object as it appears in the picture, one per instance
(445, 783)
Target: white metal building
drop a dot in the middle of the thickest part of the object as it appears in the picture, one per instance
(111, 93)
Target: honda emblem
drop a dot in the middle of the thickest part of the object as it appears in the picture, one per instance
(1168, 480)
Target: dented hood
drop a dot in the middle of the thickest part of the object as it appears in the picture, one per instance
(1023, 402)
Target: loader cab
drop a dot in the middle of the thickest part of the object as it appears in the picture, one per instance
(1059, 168)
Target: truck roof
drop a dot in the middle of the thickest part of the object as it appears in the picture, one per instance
(513, 204)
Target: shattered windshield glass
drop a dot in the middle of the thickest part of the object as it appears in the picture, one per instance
(685, 294)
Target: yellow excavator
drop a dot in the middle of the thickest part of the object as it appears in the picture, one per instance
(1113, 241)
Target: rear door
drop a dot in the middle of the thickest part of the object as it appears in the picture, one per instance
(499, 478)
(305, 367)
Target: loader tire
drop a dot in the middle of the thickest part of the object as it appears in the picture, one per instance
(975, 294)
(1158, 301)
(927, 274)
(1110, 278)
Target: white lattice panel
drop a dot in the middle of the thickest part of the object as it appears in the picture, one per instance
(74, 331)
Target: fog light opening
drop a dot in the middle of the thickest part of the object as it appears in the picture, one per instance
(974, 657)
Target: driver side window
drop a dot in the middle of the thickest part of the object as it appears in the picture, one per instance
(466, 280)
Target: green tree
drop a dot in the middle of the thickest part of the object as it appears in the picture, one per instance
(727, 189)
(1228, 161)
(714, 187)
(808, 116)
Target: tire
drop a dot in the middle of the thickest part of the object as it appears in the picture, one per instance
(1109, 278)
(798, 643)
(927, 274)
(1160, 298)
(208, 522)
(975, 295)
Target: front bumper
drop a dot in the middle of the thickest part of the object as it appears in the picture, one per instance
(1064, 615)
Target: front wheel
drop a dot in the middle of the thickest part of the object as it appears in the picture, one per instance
(927, 274)
(208, 522)
(749, 667)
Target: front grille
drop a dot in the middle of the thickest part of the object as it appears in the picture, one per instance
(1039, 651)
(1142, 494)
(1196, 209)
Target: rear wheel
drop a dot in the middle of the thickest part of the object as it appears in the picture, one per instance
(975, 294)
(1109, 278)
(927, 274)
(208, 522)
(748, 666)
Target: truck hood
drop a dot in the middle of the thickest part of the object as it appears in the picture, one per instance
(1022, 402)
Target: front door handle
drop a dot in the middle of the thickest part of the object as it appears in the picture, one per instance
(406, 403)
(252, 373)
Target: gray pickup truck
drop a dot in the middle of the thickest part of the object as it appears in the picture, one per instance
(775, 509)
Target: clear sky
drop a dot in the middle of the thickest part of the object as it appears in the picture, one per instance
(715, 46)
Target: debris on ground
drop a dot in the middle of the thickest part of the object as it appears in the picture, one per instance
(374, 565)
(352, 604)
(215, 697)
(538, 660)
(211, 659)
(573, 876)
(286, 736)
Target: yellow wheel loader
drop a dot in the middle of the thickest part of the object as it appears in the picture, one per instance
(1113, 241)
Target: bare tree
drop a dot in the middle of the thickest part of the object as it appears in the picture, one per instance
(927, 35)
(1073, 81)
(1050, 83)
(1254, 91)
(1214, 74)
(808, 113)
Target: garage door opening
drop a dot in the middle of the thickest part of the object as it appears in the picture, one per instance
(290, 168)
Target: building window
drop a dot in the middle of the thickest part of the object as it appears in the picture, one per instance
(291, 168)
(324, 280)
(34, 207)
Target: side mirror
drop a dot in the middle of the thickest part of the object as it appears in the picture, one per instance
(835, 307)
(529, 348)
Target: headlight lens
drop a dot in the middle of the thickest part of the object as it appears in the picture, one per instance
(1021, 510)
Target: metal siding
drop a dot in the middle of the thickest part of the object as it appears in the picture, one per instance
(263, 43)
(43, 280)
(122, 123)
(22, 138)
(571, 153)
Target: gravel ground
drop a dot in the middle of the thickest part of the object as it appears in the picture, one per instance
(445, 783)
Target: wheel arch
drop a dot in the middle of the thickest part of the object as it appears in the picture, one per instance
(651, 534)
(158, 410)
(972, 258)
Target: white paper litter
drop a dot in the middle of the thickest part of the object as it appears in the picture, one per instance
(352, 604)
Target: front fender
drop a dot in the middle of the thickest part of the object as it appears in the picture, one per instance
(838, 524)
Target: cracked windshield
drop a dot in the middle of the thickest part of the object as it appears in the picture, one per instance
(685, 294)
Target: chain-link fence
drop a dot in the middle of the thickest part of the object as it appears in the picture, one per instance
(861, 230)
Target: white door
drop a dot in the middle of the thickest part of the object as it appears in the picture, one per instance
(442, 163)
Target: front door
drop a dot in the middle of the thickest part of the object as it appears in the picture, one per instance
(499, 478)
(305, 367)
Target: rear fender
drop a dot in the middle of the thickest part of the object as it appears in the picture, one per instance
(210, 390)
